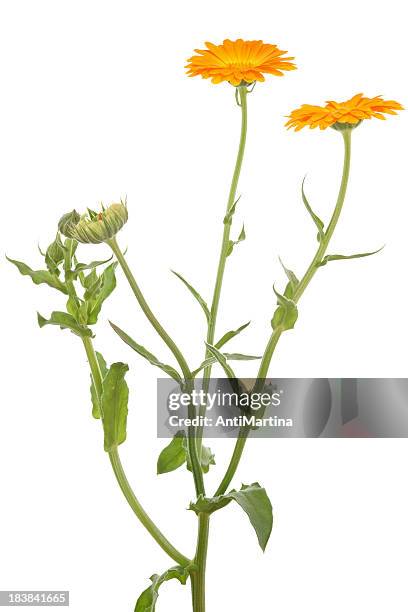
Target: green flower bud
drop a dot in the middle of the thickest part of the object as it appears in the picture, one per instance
(94, 227)
(54, 255)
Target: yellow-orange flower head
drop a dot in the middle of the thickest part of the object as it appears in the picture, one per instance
(342, 114)
(238, 62)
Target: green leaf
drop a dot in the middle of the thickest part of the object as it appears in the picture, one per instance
(231, 212)
(318, 222)
(114, 403)
(255, 502)
(173, 455)
(80, 267)
(231, 356)
(65, 321)
(230, 334)
(147, 600)
(207, 458)
(293, 281)
(141, 350)
(232, 243)
(328, 258)
(286, 314)
(39, 277)
(222, 360)
(108, 285)
(195, 293)
(96, 413)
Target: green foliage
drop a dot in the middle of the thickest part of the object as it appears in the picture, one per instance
(114, 406)
(255, 502)
(286, 314)
(65, 321)
(230, 356)
(328, 258)
(318, 222)
(176, 454)
(141, 350)
(96, 413)
(233, 243)
(222, 360)
(39, 277)
(230, 334)
(195, 293)
(147, 600)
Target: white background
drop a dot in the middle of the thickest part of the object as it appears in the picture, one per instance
(94, 106)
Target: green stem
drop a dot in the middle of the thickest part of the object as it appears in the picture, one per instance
(275, 336)
(200, 560)
(192, 441)
(131, 498)
(242, 96)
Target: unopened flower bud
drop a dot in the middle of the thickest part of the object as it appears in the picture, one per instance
(94, 227)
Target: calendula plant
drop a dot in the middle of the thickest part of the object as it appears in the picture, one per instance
(86, 286)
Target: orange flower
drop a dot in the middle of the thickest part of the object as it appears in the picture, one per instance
(349, 113)
(238, 61)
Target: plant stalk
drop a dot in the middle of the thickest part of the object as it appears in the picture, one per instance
(304, 282)
(200, 560)
(127, 491)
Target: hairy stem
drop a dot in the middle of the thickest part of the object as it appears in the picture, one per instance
(131, 498)
(275, 336)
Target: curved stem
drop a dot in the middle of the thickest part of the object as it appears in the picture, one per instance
(304, 282)
(134, 503)
(192, 441)
(141, 513)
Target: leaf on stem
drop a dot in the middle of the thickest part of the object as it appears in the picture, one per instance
(318, 222)
(231, 212)
(39, 277)
(65, 321)
(195, 293)
(233, 243)
(96, 413)
(328, 258)
(80, 267)
(231, 356)
(173, 455)
(230, 334)
(207, 458)
(222, 360)
(114, 402)
(147, 600)
(286, 314)
(293, 281)
(255, 502)
(141, 350)
(107, 285)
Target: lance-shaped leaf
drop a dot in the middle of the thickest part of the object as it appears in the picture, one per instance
(230, 334)
(293, 281)
(231, 212)
(222, 360)
(80, 267)
(318, 222)
(39, 277)
(328, 258)
(255, 502)
(96, 412)
(195, 293)
(141, 350)
(114, 406)
(232, 243)
(231, 356)
(173, 455)
(286, 314)
(107, 286)
(65, 321)
(147, 600)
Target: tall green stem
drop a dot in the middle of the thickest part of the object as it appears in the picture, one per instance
(275, 336)
(131, 498)
(200, 560)
(192, 442)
